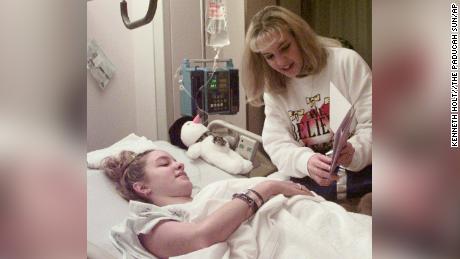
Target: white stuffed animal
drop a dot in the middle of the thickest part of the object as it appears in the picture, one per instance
(213, 149)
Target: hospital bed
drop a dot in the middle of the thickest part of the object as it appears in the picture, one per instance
(105, 208)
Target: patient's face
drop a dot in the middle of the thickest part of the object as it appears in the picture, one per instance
(166, 176)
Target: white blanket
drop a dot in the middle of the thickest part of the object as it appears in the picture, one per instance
(296, 227)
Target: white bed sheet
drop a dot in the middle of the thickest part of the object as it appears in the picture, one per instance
(105, 208)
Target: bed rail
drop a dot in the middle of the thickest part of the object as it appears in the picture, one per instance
(261, 161)
(220, 123)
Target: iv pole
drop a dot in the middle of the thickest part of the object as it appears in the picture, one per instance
(203, 28)
(203, 59)
(203, 115)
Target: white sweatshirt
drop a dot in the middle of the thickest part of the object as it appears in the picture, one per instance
(297, 121)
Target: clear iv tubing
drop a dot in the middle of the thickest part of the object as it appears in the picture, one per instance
(214, 68)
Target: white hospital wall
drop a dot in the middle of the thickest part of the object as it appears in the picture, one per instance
(128, 103)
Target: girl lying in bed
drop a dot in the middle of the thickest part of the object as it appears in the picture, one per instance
(241, 218)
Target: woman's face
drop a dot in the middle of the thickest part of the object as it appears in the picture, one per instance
(282, 53)
(165, 176)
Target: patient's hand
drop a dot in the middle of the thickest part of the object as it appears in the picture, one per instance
(287, 188)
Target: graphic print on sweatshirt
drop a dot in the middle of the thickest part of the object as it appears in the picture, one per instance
(311, 126)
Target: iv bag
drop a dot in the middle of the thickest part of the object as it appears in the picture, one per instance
(216, 24)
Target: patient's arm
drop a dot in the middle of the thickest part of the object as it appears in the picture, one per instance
(171, 238)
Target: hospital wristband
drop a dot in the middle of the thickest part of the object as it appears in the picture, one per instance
(258, 196)
(250, 201)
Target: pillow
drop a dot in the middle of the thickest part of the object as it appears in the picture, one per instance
(137, 144)
(105, 208)
(199, 172)
(132, 142)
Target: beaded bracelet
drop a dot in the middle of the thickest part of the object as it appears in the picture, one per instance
(258, 196)
(250, 201)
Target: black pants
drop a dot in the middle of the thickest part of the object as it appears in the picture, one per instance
(358, 184)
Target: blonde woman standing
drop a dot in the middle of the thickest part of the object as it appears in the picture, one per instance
(288, 68)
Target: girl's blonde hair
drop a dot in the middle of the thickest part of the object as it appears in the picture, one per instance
(126, 169)
(257, 75)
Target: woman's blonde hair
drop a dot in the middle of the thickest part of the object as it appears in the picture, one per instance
(257, 75)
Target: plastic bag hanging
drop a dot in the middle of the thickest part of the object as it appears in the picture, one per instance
(216, 24)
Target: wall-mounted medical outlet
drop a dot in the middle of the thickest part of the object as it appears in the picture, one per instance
(247, 147)
(99, 65)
